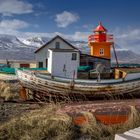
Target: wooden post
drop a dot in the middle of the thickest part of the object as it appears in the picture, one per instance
(23, 94)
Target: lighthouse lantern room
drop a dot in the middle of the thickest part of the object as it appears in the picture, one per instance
(100, 42)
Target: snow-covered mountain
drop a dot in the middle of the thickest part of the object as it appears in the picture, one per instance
(126, 56)
(9, 42)
(14, 48)
(35, 41)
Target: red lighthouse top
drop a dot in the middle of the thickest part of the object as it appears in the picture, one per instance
(100, 28)
(100, 35)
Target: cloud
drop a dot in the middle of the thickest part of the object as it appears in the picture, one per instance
(12, 26)
(80, 36)
(128, 38)
(77, 36)
(66, 18)
(10, 7)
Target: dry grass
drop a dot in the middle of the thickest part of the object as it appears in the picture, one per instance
(46, 124)
(9, 91)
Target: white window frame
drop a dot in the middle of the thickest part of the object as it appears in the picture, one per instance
(74, 56)
(101, 51)
(57, 45)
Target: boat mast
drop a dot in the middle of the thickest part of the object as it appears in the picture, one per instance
(115, 55)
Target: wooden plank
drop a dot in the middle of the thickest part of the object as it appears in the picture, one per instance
(134, 132)
(124, 137)
(137, 129)
(130, 133)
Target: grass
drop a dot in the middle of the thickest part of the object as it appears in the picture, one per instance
(47, 124)
(9, 91)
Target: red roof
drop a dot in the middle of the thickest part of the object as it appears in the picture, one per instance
(100, 28)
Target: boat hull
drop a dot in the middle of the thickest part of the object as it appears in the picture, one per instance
(48, 86)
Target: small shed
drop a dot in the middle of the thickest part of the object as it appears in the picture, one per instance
(19, 63)
(63, 62)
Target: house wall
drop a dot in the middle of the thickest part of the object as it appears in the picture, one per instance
(33, 65)
(42, 54)
(49, 67)
(15, 65)
(60, 64)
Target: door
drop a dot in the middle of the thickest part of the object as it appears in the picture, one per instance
(24, 65)
(46, 63)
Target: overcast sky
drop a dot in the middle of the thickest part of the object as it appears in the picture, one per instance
(72, 18)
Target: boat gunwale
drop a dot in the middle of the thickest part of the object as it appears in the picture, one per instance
(77, 82)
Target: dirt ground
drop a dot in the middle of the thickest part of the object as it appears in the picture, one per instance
(10, 110)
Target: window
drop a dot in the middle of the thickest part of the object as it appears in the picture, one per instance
(57, 45)
(101, 51)
(40, 64)
(74, 56)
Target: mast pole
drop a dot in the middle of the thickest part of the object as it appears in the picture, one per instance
(115, 56)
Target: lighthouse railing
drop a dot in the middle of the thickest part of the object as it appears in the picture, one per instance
(109, 38)
(93, 38)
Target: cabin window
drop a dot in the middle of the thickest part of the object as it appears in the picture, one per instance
(101, 51)
(74, 56)
(40, 64)
(57, 45)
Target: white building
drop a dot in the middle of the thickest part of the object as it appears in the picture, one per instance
(63, 62)
(19, 63)
(60, 57)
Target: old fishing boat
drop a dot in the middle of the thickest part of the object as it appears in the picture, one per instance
(62, 60)
(44, 85)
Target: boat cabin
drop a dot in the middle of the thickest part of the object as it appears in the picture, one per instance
(63, 62)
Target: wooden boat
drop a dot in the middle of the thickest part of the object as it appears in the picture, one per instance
(43, 85)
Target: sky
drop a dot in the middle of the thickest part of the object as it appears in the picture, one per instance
(73, 19)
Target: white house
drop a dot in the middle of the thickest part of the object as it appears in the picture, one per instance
(60, 57)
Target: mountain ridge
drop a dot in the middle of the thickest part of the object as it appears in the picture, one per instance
(15, 48)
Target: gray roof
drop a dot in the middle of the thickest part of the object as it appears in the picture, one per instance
(63, 50)
(53, 40)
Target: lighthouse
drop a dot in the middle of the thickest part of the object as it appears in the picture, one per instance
(100, 42)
